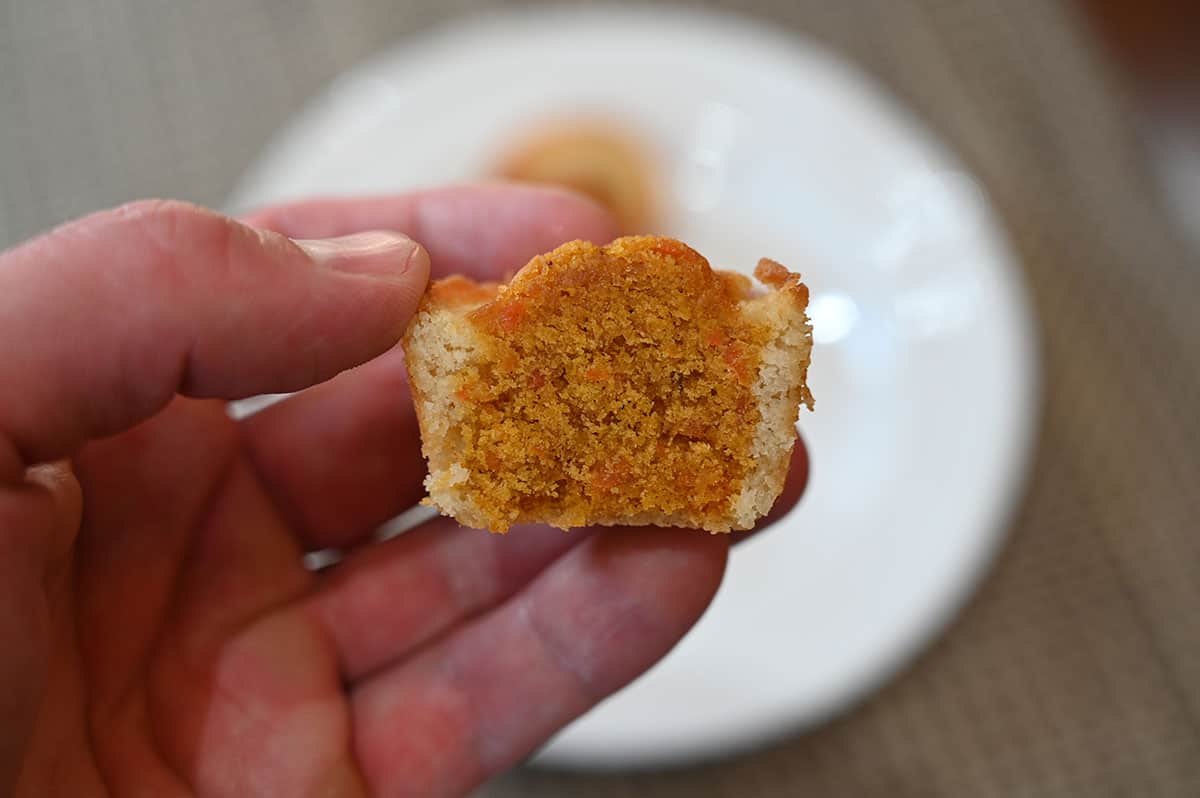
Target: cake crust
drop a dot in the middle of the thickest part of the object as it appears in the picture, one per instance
(623, 384)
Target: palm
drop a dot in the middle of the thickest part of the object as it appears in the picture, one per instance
(201, 669)
(210, 661)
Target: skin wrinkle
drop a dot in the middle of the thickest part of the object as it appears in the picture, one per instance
(164, 268)
(12, 464)
(45, 498)
(443, 712)
(313, 348)
(452, 674)
(43, 688)
(469, 581)
(346, 674)
(139, 679)
(139, 707)
(556, 652)
(64, 630)
(21, 537)
(270, 612)
(89, 732)
(494, 747)
(37, 687)
(303, 611)
(232, 631)
(231, 239)
(174, 226)
(622, 612)
(230, 243)
(465, 606)
(228, 694)
(95, 231)
(207, 506)
(326, 613)
(183, 368)
(432, 550)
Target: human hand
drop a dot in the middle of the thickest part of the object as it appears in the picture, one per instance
(159, 635)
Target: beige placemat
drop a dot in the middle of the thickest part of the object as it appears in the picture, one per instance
(1076, 671)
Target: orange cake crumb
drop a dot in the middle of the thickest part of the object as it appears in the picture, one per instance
(617, 384)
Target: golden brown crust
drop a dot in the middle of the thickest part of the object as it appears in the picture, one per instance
(614, 384)
(776, 275)
(456, 291)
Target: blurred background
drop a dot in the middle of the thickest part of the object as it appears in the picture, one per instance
(1075, 670)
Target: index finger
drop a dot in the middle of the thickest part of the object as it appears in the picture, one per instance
(486, 231)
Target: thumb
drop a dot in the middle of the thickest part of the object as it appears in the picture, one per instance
(112, 315)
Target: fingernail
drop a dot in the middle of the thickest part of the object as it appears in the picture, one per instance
(376, 252)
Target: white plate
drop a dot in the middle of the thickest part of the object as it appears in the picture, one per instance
(924, 368)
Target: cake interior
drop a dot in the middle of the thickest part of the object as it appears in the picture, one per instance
(604, 385)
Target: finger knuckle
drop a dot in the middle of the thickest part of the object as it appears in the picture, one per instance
(179, 235)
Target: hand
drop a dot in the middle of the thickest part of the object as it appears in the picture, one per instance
(158, 633)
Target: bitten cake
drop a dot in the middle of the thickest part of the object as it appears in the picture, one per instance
(621, 384)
